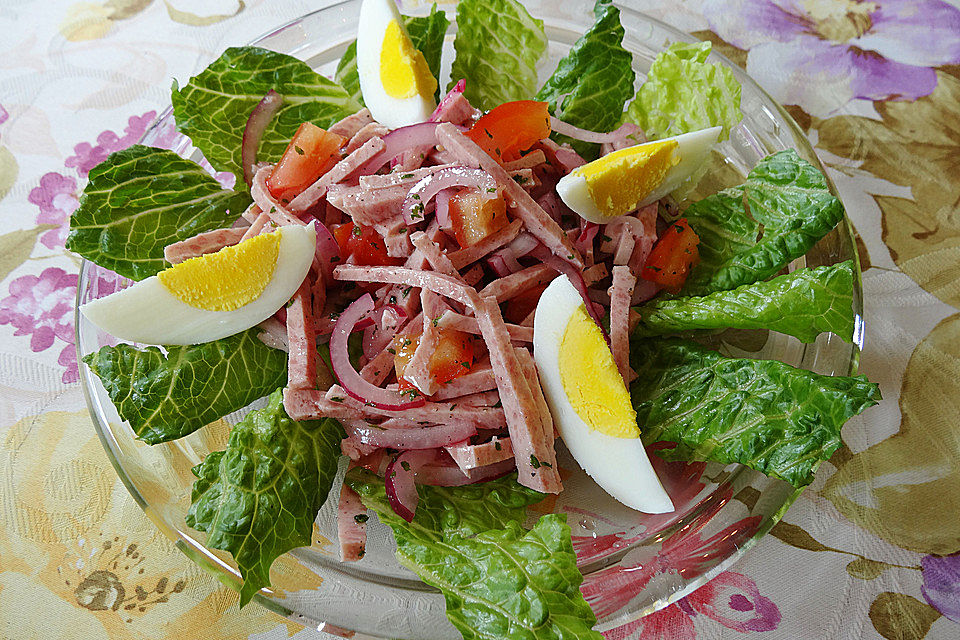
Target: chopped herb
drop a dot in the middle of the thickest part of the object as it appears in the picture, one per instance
(487, 131)
(402, 230)
(357, 231)
(334, 315)
(405, 465)
(369, 404)
(498, 405)
(406, 175)
(606, 238)
(334, 258)
(337, 399)
(466, 365)
(519, 179)
(406, 342)
(406, 291)
(534, 462)
(393, 299)
(391, 351)
(298, 149)
(360, 518)
(436, 322)
(492, 190)
(497, 445)
(415, 196)
(652, 268)
(453, 406)
(413, 393)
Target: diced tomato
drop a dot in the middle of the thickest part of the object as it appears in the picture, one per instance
(363, 244)
(505, 131)
(521, 305)
(473, 217)
(310, 154)
(672, 258)
(452, 358)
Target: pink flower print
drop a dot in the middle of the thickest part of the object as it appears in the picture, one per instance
(821, 54)
(733, 600)
(42, 308)
(68, 360)
(57, 198)
(87, 156)
(4, 115)
(941, 584)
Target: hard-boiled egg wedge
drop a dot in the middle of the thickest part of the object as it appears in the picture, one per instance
(395, 80)
(621, 181)
(211, 296)
(589, 400)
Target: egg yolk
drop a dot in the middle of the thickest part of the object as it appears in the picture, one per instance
(225, 280)
(618, 181)
(591, 380)
(403, 70)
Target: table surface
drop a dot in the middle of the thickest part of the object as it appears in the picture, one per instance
(864, 553)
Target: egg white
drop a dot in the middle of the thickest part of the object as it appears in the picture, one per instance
(148, 313)
(619, 465)
(692, 150)
(392, 112)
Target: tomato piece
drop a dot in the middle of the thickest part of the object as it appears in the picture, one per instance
(473, 217)
(363, 244)
(510, 128)
(311, 152)
(672, 258)
(452, 358)
(522, 304)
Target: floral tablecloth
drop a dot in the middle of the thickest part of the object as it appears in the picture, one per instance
(868, 551)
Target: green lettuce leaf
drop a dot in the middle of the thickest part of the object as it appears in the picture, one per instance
(212, 109)
(595, 79)
(501, 582)
(141, 199)
(683, 92)
(764, 414)
(258, 498)
(165, 397)
(498, 46)
(443, 511)
(427, 34)
(803, 303)
(784, 193)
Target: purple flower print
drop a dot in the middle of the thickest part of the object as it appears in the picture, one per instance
(733, 600)
(821, 54)
(42, 307)
(87, 156)
(941, 584)
(57, 198)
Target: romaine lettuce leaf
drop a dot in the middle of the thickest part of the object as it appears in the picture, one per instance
(141, 199)
(498, 45)
(594, 80)
(804, 304)
(258, 498)
(165, 397)
(427, 34)
(498, 580)
(683, 92)
(784, 193)
(764, 414)
(444, 511)
(212, 109)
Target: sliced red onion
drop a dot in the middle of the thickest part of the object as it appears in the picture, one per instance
(413, 438)
(523, 244)
(587, 236)
(328, 251)
(257, 123)
(582, 134)
(626, 135)
(442, 211)
(348, 377)
(414, 136)
(499, 265)
(414, 205)
(450, 475)
(570, 270)
(399, 481)
(447, 99)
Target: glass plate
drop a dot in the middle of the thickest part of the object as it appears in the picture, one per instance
(633, 564)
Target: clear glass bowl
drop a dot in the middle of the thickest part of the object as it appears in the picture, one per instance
(633, 564)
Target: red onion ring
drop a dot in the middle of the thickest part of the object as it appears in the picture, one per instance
(447, 99)
(399, 481)
(327, 250)
(378, 336)
(422, 193)
(442, 211)
(586, 237)
(415, 136)
(416, 438)
(257, 123)
(583, 134)
(348, 377)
